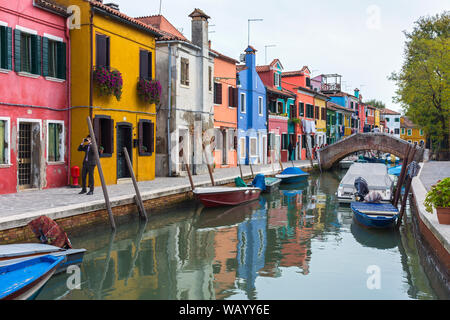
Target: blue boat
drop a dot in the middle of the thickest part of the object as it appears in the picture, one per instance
(25, 279)
(266, 184)
(375, 215)
(292, 175)
(395, 171)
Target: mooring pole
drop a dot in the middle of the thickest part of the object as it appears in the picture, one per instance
(240, 169)
(413, 170)
(401, 176)
(100, 172)
(410, 160)
(251, 169)
(181, 154)
(138, 197)
(208, 165)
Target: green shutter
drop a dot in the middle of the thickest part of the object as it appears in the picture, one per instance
(61, 59)
(9, 48)
(45, 56)
(37, 54)
(17, 43)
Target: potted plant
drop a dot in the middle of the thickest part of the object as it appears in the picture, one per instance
(101, 149)
(149, 90)
(439, 197)
(109, 82)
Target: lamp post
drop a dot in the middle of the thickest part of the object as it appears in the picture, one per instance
(250, 20)
(265, 49)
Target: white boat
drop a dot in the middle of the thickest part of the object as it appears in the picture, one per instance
(375, 174)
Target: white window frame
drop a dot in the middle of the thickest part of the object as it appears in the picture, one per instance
(277, 79)
(242, 146)
(63, 141)
(7, 140)
(256, 147)
(243, 106)
(260, 105)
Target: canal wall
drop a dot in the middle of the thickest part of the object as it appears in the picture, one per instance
(156, 195)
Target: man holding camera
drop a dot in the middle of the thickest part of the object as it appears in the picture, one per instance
(88, 165)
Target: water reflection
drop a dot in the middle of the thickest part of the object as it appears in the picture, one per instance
(280, 247)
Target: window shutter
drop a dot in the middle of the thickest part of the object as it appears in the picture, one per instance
(36, 54)
(152, 137)
(143, 64)
(100, 48)
(150, 65)
(111, 135)
(45, 56)
(219, 93)
(97, 131)
(17, 43)
(230, 97)
(141, 136)
(61, 67)
(236, 97)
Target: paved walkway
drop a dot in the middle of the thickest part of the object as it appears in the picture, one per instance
(19, 208)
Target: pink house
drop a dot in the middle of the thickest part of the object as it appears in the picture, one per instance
(34, 95)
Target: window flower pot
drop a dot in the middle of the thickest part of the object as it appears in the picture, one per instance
(443, 215)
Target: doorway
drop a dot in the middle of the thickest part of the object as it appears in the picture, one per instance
(124, 140)
(28, 155)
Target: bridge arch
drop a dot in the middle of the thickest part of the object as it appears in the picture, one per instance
(383, 142)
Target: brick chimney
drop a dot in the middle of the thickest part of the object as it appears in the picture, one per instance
(200, 29)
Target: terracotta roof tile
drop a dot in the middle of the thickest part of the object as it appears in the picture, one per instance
(162, 24)
(241, 67)
(224, 57)
(389, 112)
(53, 6)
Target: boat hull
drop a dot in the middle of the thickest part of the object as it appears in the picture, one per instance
(295, 179)
(272, 185)
(373, 221)
(232, 197)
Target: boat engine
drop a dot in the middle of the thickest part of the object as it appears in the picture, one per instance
(362, 188)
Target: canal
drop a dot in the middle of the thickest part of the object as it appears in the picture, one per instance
(295, 244)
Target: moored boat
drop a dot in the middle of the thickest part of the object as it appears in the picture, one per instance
(292, 175)
(266, 184)
(24, 280)
(375, 215)
(226, 196)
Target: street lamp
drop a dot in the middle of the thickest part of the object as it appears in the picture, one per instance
(265, 49)
(250, 20)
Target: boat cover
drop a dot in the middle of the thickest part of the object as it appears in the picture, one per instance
(49, 232)
(294, 171)
(395, 171)
(365, 207)
(239, 182)
(374, 173)
(259, 182)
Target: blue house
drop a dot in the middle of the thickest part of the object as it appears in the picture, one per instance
(252, 115)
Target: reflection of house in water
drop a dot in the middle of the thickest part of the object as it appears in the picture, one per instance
(251, 249)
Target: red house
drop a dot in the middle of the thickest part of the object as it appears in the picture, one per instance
(34, 95)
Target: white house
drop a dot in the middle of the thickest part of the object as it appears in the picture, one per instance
(186, 109)
(392, 122)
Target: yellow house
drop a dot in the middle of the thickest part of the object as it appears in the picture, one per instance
(320, 103)
(377, 118)
(104, 38)
(411, 132)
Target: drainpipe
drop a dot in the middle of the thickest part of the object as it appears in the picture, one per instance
(91, 32)
(69, 101)
(169, 106)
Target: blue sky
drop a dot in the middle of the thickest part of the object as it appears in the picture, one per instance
(361, 40)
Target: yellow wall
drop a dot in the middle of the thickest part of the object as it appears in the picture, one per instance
(321, 124)
(125, 44)
(414, 137)
(377, 117)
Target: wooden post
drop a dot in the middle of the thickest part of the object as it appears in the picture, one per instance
(100, 172)
(410, 159)
(240, 169)
(138, 197)
(401, 176)
(251, 169)
(209, 166)
(404, 200)
(188, 169)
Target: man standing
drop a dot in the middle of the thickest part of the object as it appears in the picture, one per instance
(88, 165)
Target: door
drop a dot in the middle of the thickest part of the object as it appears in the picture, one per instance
(28, 156)
(264, 145)
(224, 147)
(124, 139)
(277, 148)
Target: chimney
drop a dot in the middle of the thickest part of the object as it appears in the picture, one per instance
(250, 57)
(357, 92)
(200, 29)
(113, 6)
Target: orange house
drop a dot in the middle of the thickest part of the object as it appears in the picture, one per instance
(225, 111)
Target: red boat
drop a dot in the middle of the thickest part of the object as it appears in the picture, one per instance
(226, 196)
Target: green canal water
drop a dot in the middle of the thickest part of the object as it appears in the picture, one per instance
(295, 244)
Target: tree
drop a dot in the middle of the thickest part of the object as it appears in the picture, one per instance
(376, 103)
(423, 81)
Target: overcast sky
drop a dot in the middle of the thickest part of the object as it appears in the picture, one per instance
(358, 39)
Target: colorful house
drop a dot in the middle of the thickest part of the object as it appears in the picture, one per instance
(252, 112)
(278, 102)
(34, 96)
(412, 133)
(331, 124)
(320, 110)
(370, 118)
(225, 110)
(122, 118)
(185, 70)
(392, 121)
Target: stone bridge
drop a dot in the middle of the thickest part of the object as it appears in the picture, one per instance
(332, 154)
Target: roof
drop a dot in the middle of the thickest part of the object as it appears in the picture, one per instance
(338, 107)
(341, 94)
(123, 16)
(292, 73)
(387, 111)
(262, 68)
(241, 67)
(407, 123)
(283, 91)
(197, 13)
(52, 6)
(161, 23)
(224, 57)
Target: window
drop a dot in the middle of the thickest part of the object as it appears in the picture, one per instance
(277, 81)
(27, 55)
(210, 79)
(403, 130)
(4, 141)
(243, 103)
(308, 82)
(184, 71)
(104, 133)
(260, 106)
(409, 132)
(53, 58)
(421, 132)
(293, 111)
(387, 119)
(217, 93)
(232, 97)
(145, 65)
(284, 141)
(146, 133)
(309, 111)
(55, 142)
(301, 109)
(316, 112)
(253, 147)
(279, 107)
(397, 131)
(397, 119)
(102, 47)
(242, 146)
(5, 48)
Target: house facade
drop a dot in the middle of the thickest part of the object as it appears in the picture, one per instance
(412, 133)
(185, 69)
(252, 139)
(320, 110)
(392, 121)
(121, 117)
(34, 96)
(225, 110)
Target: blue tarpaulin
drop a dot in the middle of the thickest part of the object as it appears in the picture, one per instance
(293, 170)
(395, 170)
(259, 182)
